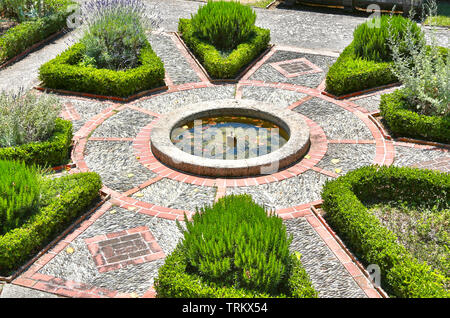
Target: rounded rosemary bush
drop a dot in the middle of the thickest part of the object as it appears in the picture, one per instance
(371, 39)
(224, 24)
(19, 193)
(27, 117)
(236, 243)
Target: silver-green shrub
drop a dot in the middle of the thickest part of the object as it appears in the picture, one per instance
(26, 117)
(424, 70)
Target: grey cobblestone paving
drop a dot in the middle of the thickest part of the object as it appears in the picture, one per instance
(407, 156)
(80, 266)
(271, 95)
(350, 156)
(328, 275)
(289, 192)
(115, 163)
(125, 124)
(85, 108)
(336, 122)
(177, 195)
(175, 63)
(168, 102)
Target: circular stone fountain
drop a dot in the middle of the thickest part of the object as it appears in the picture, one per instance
(230, 137)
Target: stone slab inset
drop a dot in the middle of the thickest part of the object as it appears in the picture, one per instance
(296, 67)
(119, 249)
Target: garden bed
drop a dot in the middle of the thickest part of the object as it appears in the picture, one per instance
(350, 74)
(403, 121)
(220, 65)
(23, 37)
(49, 153)
(65, 73)
(345, 202)
(234, 249)
(66, 198)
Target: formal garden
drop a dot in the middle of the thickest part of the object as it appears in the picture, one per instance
(199, 150)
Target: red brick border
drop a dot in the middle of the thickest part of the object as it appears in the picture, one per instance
(116, 250)
(351, 264)
(55, 285)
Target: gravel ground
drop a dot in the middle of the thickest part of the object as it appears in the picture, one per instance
(350, 156)
(289, 192)
(328, 275)
(371, 103)
(80, 266)
(407, 156)
(177, 195)
(271, 95)
(86, 108)
(336, 122)
(175, 64)
(268, 73)
(125, 124)
(169, 102)
(115, 163)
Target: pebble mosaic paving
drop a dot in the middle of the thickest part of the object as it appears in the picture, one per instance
(117, 250)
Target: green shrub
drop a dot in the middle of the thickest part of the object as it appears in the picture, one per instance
(51, 152)
(402, 274)
(70, 197)
(233, 249)
(26, 117)
(19, 193)
(115, 35)
(403, 119)
(217, 65)
(19, 38)
(22, 10)
(224, 24)
(235, 242)
(370, 39)
(424, 71)
(351, 74)
(63, 72)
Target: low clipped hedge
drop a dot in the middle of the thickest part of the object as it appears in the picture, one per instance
(404, 121)
(351, 73)
(49, 153)
(402, 275)
(24, 35)
(216, 65)
(234, 249)
(175, 281)
(71, 196)
(63, 72)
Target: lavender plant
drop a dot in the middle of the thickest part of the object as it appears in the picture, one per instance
(115, 32)
(26, 117)
(423, 69)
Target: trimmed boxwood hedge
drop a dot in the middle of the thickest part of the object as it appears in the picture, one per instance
(351, 73)
(72, 195)
(49, 153)
(17, 39)
(63, 72)
(174, 281)
(402, 275)
(219, 67)
(405, 122)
